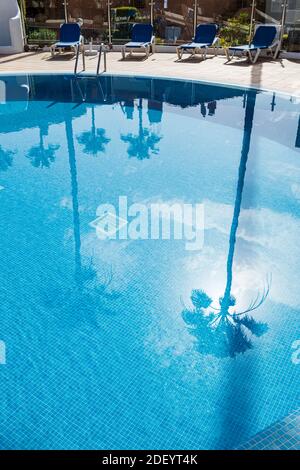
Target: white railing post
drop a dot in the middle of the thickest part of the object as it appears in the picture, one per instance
(109, 4)
(195, 16)
(65, 4)
(23, 20)
(151, 4)
(252, 20)
(282, 23)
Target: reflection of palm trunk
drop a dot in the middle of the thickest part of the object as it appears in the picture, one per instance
(43, 128)
(140, 119)
(94, 127)
(75, 206)
(41, 139)
(248, 123)
(297, 143)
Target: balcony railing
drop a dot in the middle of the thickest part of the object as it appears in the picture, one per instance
(174, 21)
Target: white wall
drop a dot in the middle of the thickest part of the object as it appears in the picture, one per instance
(11, 32)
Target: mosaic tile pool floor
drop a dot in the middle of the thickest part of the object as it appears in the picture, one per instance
(128, 342)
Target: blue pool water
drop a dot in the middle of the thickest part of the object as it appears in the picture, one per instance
(135, 343)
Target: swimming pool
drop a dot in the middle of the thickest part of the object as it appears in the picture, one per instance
(115, 335)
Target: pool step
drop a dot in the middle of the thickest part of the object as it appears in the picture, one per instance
(282, 435)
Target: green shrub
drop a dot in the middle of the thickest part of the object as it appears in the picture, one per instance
(129, 13)
(285, 42)
(42, 34)
(235, 31)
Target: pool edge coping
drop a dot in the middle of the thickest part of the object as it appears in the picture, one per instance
(150, 76)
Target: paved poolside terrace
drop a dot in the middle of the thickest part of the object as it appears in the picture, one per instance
(282, 75)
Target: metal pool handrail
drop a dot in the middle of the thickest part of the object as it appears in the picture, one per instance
(101, 49)
(78, 49)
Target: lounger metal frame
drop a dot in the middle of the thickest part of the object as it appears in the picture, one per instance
(147, 48)
(248, 52)
(199, 50)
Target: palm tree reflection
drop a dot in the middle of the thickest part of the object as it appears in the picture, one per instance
(95, 140)
(85, 276)
(89, 294)
(297, 143)
(6, 159)
(220, 330)
(143, 144)
(41, 156)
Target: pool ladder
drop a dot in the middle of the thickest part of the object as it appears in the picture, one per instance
(102, 50)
